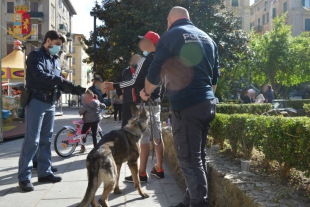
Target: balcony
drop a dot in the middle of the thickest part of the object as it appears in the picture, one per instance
(37, 15)
(258, 28)
(69, 36)
(36, 38)
(62, 29)
(69, 55)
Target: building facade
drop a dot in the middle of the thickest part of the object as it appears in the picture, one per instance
(45, 15)
(298, 14)
(241, 10)
(81, 72)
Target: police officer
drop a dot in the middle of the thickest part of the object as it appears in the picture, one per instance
(44, 81)
(189, 58)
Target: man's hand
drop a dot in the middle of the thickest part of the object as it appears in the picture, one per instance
(121, 97)
(78, 90)
(108, 86)
(143, 95)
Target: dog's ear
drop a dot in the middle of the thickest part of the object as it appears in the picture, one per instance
(134, 110)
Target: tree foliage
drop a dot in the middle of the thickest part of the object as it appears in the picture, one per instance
(279, 58)
(124, 20)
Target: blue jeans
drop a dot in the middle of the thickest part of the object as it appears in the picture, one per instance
(39, 132)
(190, 128)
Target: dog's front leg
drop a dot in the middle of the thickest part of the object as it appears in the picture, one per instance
(116, 189)
(133, 166)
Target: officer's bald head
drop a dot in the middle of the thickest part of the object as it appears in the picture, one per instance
(177, 13)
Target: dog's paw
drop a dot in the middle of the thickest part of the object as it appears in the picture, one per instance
(117, 191)
(144, 195)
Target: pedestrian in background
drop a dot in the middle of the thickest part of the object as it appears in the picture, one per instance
(189, 58)
(268, 93)
(44, 82)
(117, 105)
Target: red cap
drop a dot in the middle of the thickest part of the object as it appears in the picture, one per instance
(151, 36)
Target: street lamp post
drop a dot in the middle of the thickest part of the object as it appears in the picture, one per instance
(94, 14)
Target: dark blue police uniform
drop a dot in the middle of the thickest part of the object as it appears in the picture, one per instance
(43, 78)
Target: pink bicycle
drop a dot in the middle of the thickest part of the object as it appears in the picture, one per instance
(68, 138)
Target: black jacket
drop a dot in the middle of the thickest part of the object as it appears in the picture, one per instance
(247, 99)
(138, 79)
(128, 96)
(98, 92)
(189, 58)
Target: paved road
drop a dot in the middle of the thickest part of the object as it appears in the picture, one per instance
(165, 192)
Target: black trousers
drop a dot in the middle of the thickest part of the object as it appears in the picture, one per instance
(190, 128)
(118, 108)
(94, 127)
(126, 113)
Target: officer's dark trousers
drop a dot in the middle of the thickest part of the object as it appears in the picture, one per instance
(39, 130)
(190, 129)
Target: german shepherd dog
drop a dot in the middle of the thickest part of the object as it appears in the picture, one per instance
(104, 162)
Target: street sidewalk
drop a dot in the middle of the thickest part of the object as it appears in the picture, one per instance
(163, 192)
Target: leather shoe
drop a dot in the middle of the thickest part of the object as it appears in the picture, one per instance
(35, 165)
(50, 179)
(26, 185)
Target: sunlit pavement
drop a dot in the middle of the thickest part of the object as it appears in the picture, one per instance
(165, 192)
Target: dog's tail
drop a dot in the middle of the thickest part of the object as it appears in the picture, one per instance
(94, 181)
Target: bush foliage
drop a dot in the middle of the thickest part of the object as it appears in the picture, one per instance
(243, 108)
(281, 139)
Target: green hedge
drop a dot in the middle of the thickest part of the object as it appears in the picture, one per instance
(307, 107)
(297, 104)
(243, 108)
(285, 140)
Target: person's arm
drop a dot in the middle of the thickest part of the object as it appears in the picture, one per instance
(153, 77)
(119, 91)
(82, 110)
(35, 64)
(138, 77)
(216, 70)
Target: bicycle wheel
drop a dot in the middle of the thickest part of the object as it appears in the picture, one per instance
(62, 148)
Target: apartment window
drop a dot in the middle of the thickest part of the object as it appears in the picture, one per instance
(53, 12)
(306, 3)
(258, 22)
(251, 25)
(73, 60)
(73, 49)
(60, 4)
(274, 12)
(267, 17)
(307, 24)
(9, 7)
(73, 71)
(59, 19)
(284, 7)
(9, 25)
(266, 5)
(34, 6)
(264, 19)
(234, 2)
(9, 48)
(258, 8)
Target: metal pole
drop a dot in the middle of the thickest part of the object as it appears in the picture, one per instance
(1, 106)
(95, 45)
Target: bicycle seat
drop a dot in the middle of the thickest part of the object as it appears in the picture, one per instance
(79, 122)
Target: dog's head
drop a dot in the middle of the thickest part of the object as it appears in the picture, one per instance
(140, 117)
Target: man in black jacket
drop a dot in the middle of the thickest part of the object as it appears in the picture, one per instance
(148, 45)
(189, 59)
(128, 95)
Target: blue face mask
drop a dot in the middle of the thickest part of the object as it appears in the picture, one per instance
(54, 50)
(145, 53)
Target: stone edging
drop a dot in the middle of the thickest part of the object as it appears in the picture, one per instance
(228, 187)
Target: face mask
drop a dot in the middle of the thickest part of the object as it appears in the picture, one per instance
(54, 50)
(145, 53)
